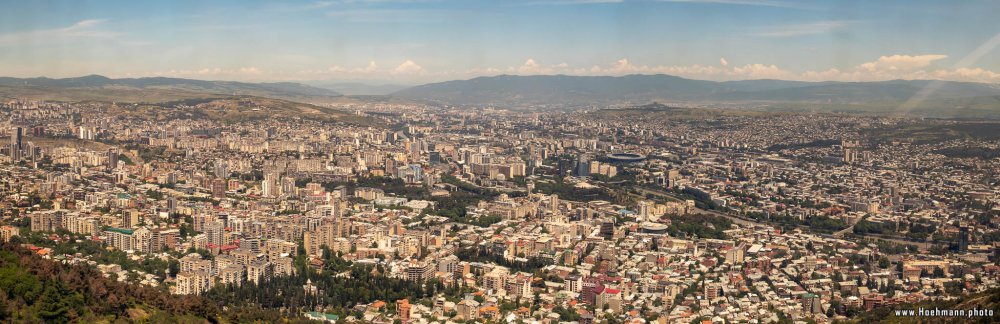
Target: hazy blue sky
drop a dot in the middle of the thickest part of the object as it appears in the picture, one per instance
(418, 41)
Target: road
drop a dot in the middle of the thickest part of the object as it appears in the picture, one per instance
(733, 218)
(840, 233)
(874, 237)
(748, 222)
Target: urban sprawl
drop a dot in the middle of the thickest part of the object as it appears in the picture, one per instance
(487, 214)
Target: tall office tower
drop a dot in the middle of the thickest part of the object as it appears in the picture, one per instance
(171, 204)
(16, 137)
(221, 168)
(736, 255)
(84, 133)
(15, 154)
(582, 165)
(850, 150)
(219, 188)
(269, 186)
(287, 186)
(112, 159)
(607, 229)
(963, 238)
(644, 213)
(214, 232)
(16, 144)
(131, 218)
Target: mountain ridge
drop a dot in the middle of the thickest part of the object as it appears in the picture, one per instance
(280, 90)
(634, 89)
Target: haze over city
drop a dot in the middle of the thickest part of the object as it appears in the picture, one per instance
(519, 162)
(423, 41)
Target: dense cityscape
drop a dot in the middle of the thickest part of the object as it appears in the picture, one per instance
(487, 162)
(642, 214)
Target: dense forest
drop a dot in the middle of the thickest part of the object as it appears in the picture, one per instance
(703, 226)
(532, 265)
(569, 191)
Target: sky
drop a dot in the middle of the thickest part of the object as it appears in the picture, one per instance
(414, 41)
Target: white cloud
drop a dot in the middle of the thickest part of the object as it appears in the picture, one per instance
(623, 66)
(761, 71)
(368, 69)
(888, 67)
(206, 71)
(408, 67)
(217, 73)
(696, 71)
(974, 74)
(909, 67)
(530, 67)
(249, 70)
(474, 72)
(83, 25)
(831, 74)
(901, 62)
(372, 67)
(620, 67)
(692, 71)
(905, 67)
(80, 30)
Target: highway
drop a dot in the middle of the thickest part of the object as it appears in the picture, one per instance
(748, 222)
(733, 218)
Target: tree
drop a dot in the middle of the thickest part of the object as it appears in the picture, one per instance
(58, 305)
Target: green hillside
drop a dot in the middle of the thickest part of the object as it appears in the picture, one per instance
(34, 290)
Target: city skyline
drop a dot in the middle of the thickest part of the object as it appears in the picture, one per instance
(522, 161)
(412, 42)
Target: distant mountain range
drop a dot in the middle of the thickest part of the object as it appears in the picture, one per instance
(563, 90)
(919, 97)
(279, 90)
(358, 88)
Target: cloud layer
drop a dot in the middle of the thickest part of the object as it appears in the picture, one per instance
(889, 67)
(83, 29)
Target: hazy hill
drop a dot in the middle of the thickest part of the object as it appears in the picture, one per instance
(358, 88)
(562, 90)
(166, 98)
(862, 91)
(281, 90)
(558, 89)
